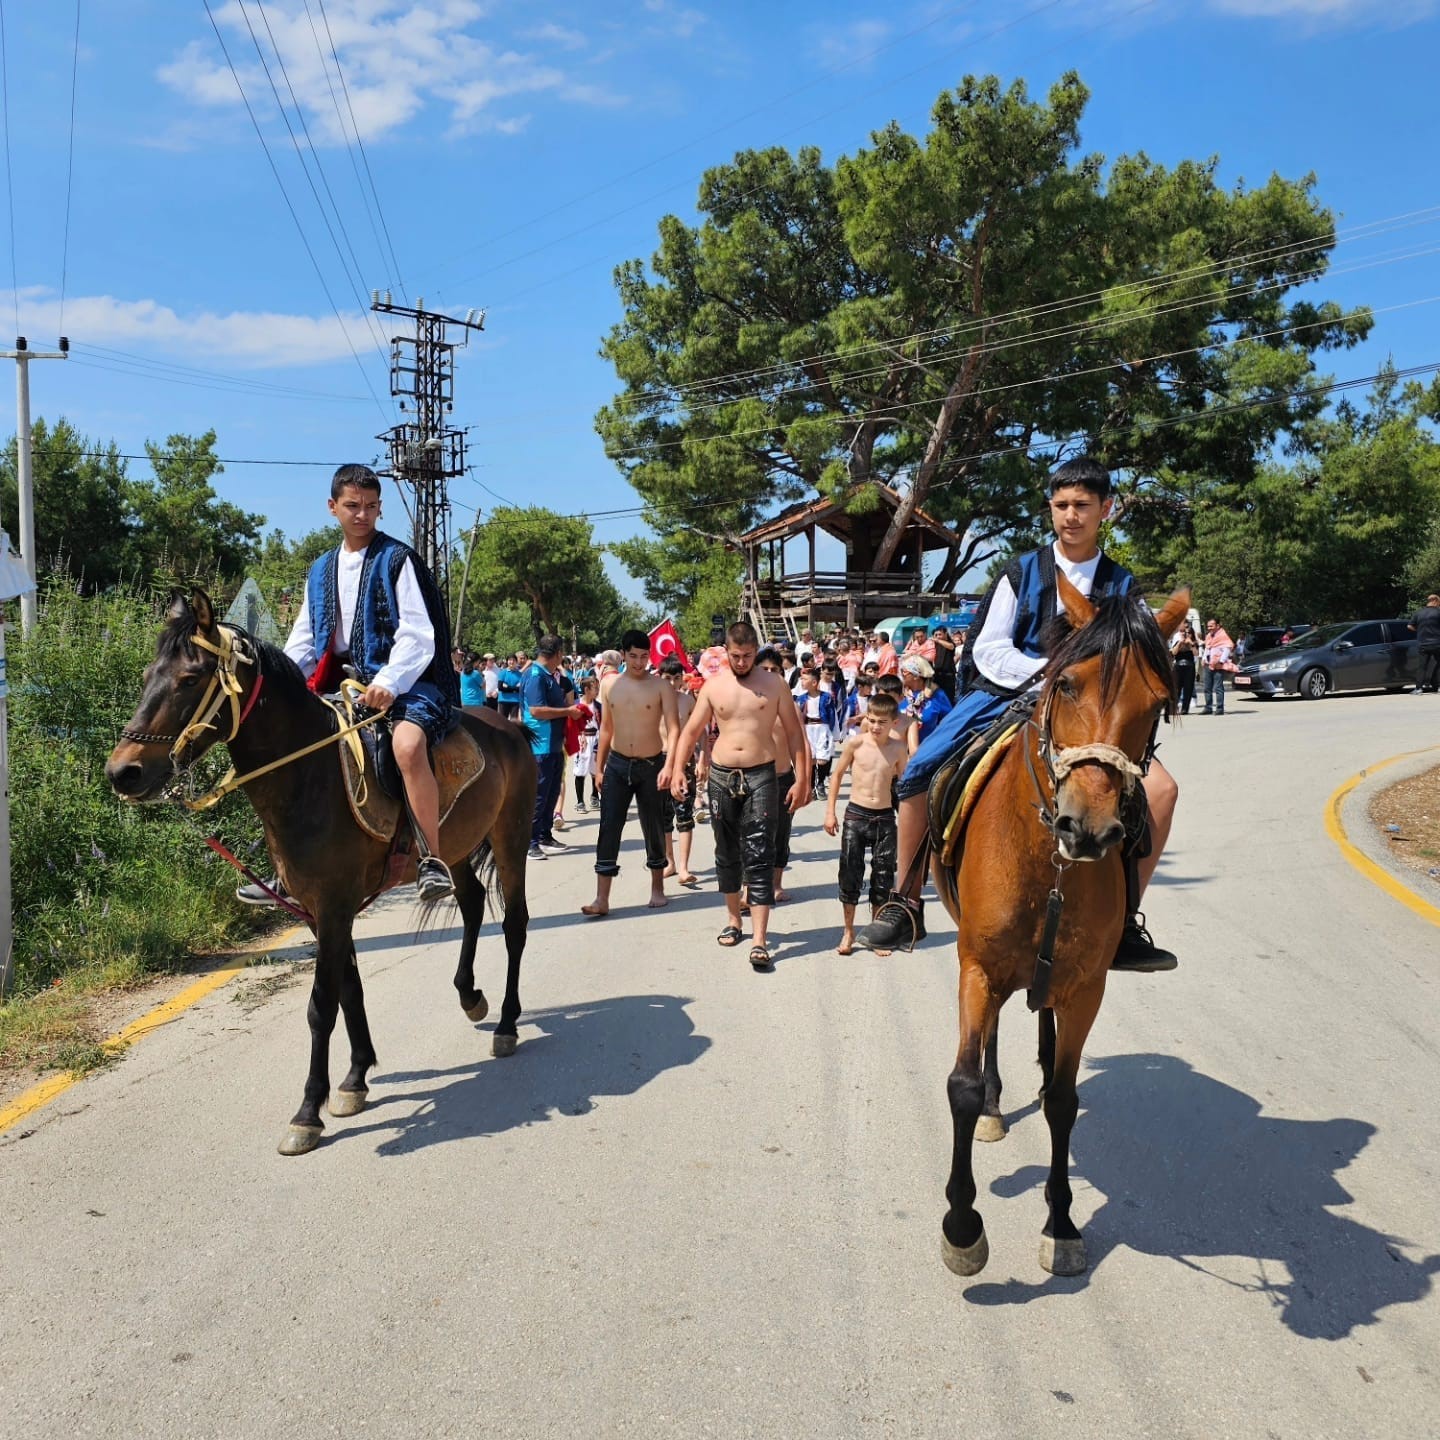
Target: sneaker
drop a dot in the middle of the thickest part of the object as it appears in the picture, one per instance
(580, 808)
(552, 846)
(256, 894)
(899, 924)
(536, 853)
(558, 820)
(432, 879)
(1138, 952)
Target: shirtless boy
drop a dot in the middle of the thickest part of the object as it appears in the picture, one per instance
(678, 816)
(637, 715)
(769, 659)
(876, 758)
(744, 702)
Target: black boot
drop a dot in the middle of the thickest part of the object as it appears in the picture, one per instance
(899, 924)
(1138, 952)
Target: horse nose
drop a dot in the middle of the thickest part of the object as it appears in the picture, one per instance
(125, 776)
(1082, 843)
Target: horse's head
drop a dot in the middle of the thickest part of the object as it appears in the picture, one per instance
(192, 687)
(1108, 683)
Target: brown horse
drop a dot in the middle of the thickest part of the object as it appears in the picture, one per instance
(1058, 797)
(206, 677)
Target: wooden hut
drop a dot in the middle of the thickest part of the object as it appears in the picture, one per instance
(781, 595)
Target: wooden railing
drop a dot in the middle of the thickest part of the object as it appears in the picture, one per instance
(838, 582)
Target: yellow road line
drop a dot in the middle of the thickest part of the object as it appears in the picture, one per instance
(1335, 829)
(47, 1090)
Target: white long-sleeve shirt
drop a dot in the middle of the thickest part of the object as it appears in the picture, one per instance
(996, 657)
(414, 645)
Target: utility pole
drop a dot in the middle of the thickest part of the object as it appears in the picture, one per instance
(22, 355)
(465, 576)
(426, 452)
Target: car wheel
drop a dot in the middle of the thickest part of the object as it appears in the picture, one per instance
(1314, 685)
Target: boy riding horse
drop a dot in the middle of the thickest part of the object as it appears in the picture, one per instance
(1002, 664)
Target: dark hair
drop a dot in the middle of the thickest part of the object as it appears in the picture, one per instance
(884, 705)
(671, 666)
(550, 645)
(770, 656)
(864, 680)
(742, 632)
(362, 477)
(1083, 471)
(635, 640)
(889, 685)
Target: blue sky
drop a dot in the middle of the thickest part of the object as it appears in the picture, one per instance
(521, 150)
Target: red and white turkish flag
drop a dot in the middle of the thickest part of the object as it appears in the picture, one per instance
(664, 642)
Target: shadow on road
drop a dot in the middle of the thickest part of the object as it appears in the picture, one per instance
(611, 1047)
(1192, 1170)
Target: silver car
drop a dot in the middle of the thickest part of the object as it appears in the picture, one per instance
(1352, 655)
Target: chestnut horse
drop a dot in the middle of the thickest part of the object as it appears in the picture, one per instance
(205, 671)
(1057, 798)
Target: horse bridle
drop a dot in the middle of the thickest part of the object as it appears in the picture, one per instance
(225, 685)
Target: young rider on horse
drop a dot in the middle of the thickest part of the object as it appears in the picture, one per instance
(372, 604)
(1003, 662)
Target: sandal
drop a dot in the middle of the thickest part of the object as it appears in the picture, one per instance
(760, 958)
(729, 937)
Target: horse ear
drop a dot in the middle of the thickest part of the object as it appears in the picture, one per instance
(1176, 608)
(204, 610)
(179, 607)
(1078, 610)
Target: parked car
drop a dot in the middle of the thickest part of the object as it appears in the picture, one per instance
(1350, 655)
(1267, 637)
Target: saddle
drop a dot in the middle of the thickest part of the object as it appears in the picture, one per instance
(958, 782)
(374, 788)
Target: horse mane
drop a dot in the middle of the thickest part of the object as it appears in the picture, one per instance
(1121, 623)
(275, 665)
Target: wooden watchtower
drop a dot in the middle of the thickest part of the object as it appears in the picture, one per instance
(779, 599)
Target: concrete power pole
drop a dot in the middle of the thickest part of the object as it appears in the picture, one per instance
(22, 355)
(426, 452)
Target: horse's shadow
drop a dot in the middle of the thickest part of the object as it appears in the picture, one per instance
(1192, 1170)
(613, 1046)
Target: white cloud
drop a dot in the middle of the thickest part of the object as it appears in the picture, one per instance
(251, 338)
(397, 56)
(849, 46)
(1388, 12)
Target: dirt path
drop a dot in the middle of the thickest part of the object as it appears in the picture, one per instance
(1407, 814)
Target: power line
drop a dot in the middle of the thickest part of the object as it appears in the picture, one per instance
(360, 145)
(304, 240)
(69, 167)
(140, 373)
(9, 183)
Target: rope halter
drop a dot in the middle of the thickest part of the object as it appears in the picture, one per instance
(225, 685)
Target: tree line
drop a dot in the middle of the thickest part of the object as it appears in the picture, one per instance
(951, 314)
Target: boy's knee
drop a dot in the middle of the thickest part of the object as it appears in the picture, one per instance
(1162, 791)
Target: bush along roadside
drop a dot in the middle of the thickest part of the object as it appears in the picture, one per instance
(103, 893)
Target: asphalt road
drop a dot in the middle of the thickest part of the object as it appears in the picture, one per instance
(702, 1202)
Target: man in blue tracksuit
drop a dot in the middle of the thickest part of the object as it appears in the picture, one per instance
(1004, 660)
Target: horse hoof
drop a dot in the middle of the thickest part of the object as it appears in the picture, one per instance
(503, 1045)
(347, 1102)
(1062, 1257)
(478, 1011)
(969, 1261)
(300, 1139)
(990, 1128)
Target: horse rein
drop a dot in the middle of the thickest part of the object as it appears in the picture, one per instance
(226, 684)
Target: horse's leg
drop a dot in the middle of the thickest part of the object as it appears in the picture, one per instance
(991, 1124)
(963, 1243)
(333, 950)
(350, 1098)
(510, 842)
(1062, 1250)
(1046, 1054)
(470, 896)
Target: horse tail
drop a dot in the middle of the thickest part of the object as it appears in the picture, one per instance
(482, 862)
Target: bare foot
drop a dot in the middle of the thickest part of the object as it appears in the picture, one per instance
(595, 909)
(847, 943)
(781, 896)
(658, 900)
(667, 872)
(689, 881)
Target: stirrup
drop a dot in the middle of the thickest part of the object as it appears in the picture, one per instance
(433, 879)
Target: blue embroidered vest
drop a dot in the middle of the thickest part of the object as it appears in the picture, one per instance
(377, 612)
(1032, 578)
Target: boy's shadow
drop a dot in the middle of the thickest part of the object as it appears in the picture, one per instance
(614, 1046)
(1191, 1170)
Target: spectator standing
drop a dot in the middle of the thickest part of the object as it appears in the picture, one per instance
(1183, 653)
(507, 690)
(817, 715)
(589, 723)
(543, 712)
(928, 703)
(490, 676)
(886, 660)
(1219, 648)
(1426, 625)
(472, 686)
(944, 662)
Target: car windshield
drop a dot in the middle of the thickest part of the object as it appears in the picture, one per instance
(1320, 635)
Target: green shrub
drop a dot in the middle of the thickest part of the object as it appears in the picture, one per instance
(98, 884)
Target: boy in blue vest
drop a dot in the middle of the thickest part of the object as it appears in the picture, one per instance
(372, 605)
(1002, 662)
